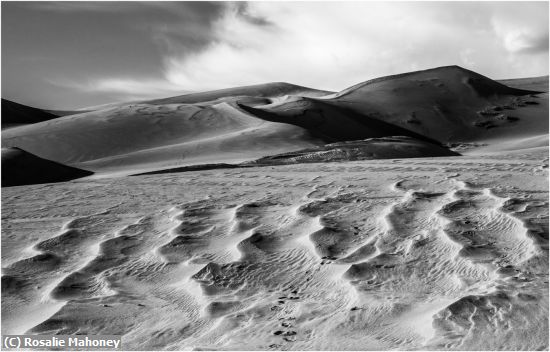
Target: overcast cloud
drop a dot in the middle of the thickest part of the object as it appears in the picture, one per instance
(68, 55)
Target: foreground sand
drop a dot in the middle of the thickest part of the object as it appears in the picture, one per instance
(434, 253)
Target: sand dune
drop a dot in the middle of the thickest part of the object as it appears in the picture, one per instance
(146, 136)
(404, 213)
(150, 136)
(246, 123)
(259, 93)
(22, 168)
(447, 104)
(374, 148)
(265, 91)
(532, 83)
(328, 122)
(14, 114)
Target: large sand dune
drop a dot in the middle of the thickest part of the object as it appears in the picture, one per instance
(447, 104)
(373, 234)
(151, 136)
(173, 131)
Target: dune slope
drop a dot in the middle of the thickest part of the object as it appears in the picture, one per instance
(399, 147)
(267, 90)
(14, 114)
(150, 136)
(448, 104)
(331, 123)
(531, 83)
(22, 168)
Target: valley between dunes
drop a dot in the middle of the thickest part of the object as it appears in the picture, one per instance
(405, 213)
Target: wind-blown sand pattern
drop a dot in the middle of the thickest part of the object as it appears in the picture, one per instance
(446, 253)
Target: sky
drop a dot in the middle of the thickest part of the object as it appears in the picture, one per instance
(68, 55)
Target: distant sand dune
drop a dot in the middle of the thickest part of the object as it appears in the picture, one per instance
(259, 91)
(441, 105)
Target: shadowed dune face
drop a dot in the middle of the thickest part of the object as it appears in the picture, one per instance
(14, 114)
(331, 123)
(22, 168)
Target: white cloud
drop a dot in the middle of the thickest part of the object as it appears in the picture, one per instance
(333, 45)
(466, 57)
(522, 28)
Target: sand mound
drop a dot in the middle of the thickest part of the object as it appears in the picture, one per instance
(447, 104)
(531, 83)
(14, 114)
(454, 76)
(146, 137)
(22, 168)
(368, 149)
(331, 123)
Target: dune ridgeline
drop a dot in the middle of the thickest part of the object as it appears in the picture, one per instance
(280, 123)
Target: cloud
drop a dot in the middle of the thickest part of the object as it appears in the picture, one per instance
(524, 40)
(113, 50)
(72, 6)
(521, 42)
(123, 88)
(83, 43)
(333, 45)
(243, 10)
(523, 29)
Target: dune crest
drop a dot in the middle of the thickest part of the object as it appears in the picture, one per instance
(234, 125)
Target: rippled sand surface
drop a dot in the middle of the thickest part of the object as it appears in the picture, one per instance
(443, 253)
